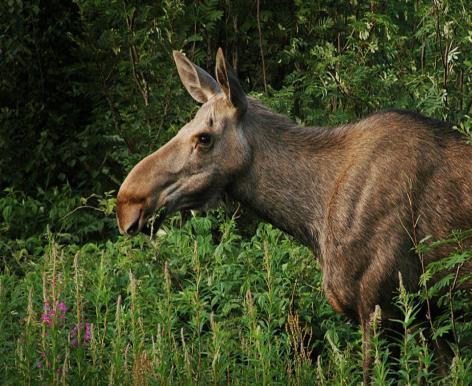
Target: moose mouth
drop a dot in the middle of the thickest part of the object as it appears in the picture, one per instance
(149, 221)
(158, 218)
(154, 222)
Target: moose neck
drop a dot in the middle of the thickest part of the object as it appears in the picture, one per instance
(292, 172)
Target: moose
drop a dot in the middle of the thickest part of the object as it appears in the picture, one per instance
(360, 196)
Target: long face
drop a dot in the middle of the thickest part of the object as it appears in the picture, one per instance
(193, 169)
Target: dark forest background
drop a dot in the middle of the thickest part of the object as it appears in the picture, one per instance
(88, 87)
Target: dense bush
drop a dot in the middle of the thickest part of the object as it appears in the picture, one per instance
(185, 307)
(89, 87)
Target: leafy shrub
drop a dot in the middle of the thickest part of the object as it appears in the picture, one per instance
(26, 222)
(186, 307)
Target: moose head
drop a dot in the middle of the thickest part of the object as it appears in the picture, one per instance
(193, 169)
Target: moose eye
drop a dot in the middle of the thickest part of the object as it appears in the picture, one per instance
(204, 139)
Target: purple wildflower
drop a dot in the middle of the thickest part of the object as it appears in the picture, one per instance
(88, 331)
(85, 333)
(62, 307)
(55, 316)
(39, 364)
(46, 319)
(50, 315)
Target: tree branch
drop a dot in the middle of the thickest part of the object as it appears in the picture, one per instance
(264, 77)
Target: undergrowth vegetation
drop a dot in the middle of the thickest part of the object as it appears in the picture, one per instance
(198, 303)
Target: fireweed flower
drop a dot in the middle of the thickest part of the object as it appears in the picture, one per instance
(50, 315)
(46, 319)
(88, 332)
(85, 333)
(55, 316)
(39, 364)
(63, 309)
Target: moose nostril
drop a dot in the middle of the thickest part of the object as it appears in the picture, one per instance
(133, 228)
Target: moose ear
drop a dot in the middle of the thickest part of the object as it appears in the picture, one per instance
(199, 83)
(229, 83)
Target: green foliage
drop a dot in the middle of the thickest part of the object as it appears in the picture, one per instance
(449, 290)
(364, 56)
(89, 87)
(197, 304)
(465, 128)
(25, 222)
(189, 307)
(45, 138)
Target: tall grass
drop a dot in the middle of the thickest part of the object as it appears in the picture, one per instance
(196, 304)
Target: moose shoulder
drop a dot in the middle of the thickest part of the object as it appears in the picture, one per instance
(360, 195)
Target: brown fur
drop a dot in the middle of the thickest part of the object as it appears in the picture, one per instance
(360, 196)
